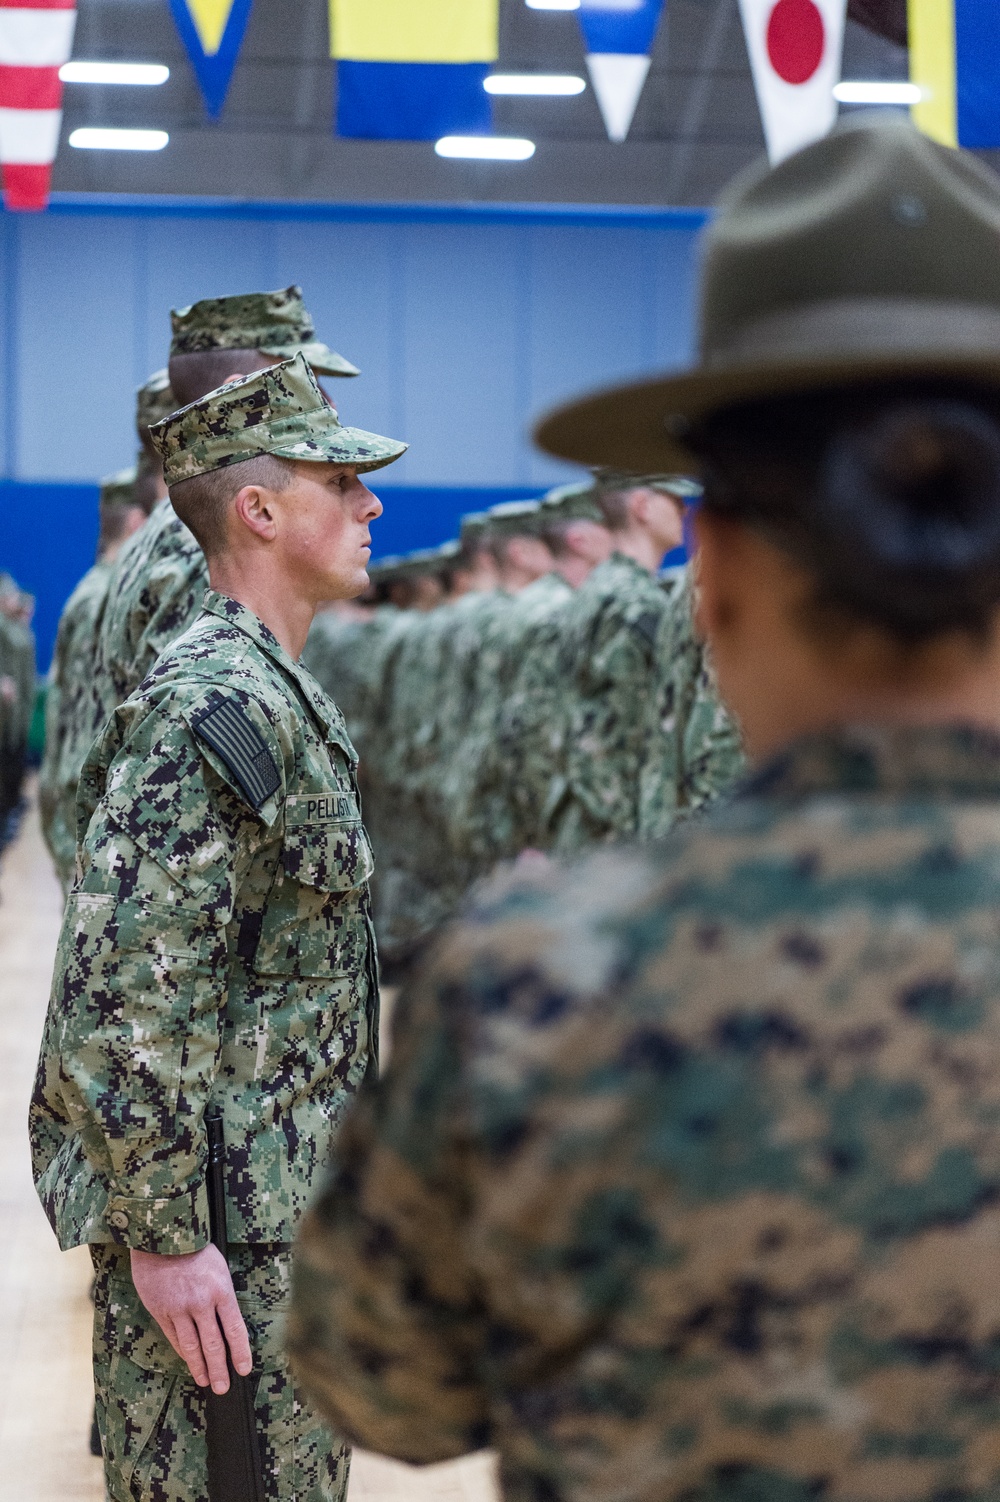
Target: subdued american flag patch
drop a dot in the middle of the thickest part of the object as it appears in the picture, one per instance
(231, 733)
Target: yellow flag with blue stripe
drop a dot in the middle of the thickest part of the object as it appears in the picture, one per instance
(955, 61)
(212, 32)
(413, 71)
(404, 31)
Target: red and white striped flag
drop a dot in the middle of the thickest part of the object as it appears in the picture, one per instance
(36, 38)
(796, 50)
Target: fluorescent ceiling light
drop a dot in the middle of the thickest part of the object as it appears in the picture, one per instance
(552, 4)
(138, 73)
(562, 84)
(486, 148)
(874, 92)
(149, 74)
(89, 138)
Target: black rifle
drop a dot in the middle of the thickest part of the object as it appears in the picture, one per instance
(234, 1468)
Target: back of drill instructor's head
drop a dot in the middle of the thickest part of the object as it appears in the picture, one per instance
(222, 337)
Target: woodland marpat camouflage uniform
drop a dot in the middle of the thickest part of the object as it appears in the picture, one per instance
(684, 1180)
(608, 656)
(216, 948)
(694, 753)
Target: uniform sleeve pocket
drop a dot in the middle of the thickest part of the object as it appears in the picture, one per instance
(314, 924)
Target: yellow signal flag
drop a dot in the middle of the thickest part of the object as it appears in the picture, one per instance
(210, 18)
(933, 68)
(413, 31)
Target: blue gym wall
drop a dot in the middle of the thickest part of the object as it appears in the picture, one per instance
(467, 323)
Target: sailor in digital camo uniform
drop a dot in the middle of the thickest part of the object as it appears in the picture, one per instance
(684, 1182)
(217, 948)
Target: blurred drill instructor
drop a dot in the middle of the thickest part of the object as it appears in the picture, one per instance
(68, 704)
(160, 580)
(684, 1182)
(217, 948)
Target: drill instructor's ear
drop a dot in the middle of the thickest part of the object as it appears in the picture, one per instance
(252, 507)
(717, 563)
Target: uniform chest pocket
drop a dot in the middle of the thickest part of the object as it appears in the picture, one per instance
(314, 923)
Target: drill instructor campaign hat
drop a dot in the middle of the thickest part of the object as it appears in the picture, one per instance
(873, 254)
(276, 323)
(279, 411)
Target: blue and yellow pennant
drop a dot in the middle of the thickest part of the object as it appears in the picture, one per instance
(955, 59)
(409, 72)
(212, 32)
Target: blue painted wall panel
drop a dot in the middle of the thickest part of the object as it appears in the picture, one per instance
(467, 322)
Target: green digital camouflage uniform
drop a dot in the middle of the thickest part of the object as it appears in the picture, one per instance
(69, 706)
(69, 716)
(608, 659)
(694, 753)
(488, 815)
(684, 1181)
(18, 686)
(217, 947)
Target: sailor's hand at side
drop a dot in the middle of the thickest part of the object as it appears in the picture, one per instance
(192, 1300)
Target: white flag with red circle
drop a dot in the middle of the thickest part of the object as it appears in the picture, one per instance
(36, 38)
(796, 50)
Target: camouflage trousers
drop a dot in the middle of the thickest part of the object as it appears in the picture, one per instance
(151, 1413)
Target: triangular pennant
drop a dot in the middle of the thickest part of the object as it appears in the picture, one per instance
(796, 50)
(212, 32)
(619, 36)
(618, 79)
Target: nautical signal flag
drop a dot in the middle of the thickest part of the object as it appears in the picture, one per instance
(413, 72)
(955, 59)
(212, 32)
(36, 38)
(619, 36)
(796, 49)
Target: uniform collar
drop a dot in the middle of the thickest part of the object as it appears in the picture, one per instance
(933, 761)
(235, 614)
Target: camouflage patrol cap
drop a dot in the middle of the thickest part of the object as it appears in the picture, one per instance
(154, 401)
(279, 411)
(386, 570)
(119, 489)
(514, 519)
(276, 323)
(681, 486)
(473, 529)
(428, 561)
(574, 502)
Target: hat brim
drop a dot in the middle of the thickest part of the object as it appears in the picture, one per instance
(337, 445)
(641, 427)
(319, 357)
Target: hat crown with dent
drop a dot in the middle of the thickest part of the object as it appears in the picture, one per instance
(874, 211)
(250, 320)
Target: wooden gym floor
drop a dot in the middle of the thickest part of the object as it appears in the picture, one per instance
(45, 1383)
